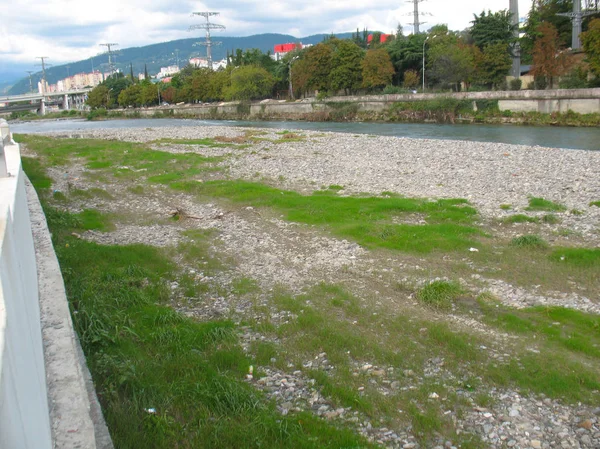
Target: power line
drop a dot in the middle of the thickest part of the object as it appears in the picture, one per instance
(208, 43)
(111, 64)
(516, 50)
(29, 72)
(577, 19)
(43, 64)
(416, 15)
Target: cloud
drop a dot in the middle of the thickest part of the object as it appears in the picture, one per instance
(71, 30)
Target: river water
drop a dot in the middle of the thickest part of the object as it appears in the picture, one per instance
(556, 137)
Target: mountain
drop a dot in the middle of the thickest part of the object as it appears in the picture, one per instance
(160, 55)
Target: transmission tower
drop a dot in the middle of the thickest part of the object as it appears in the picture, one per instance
(516, 49)
(416, 16)
(29, 72)
(111, 62)
(43, 64)
(577, 19)
(207, 26)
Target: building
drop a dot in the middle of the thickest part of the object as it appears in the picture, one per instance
(167, 71)
(280, 50)
(199, 62)
(383, 38)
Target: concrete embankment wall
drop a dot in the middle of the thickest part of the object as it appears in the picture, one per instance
(46, 398)
(583, 101)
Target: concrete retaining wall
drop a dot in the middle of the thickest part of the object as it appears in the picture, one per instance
(24, 413)
(47, 399)
(583, 101)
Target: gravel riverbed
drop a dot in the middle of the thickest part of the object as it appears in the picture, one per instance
(272, 251)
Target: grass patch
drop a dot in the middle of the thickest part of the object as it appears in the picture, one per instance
(595, 203)
(579, 257)
(550, 219)
(144, 356)
(126, 159)
(206, 142)
(521, 218)
(505, 206)
(529, 241)
(366, 220)
(439, 294)
(92, 219)
(540, 204)
(36, 173)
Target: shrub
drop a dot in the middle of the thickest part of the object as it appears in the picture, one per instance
(440, 294)
(516, 84)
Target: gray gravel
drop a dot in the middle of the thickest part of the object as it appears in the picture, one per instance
(273, 252)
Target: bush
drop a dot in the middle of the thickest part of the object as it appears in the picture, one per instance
(440, 294)
(97, 114)
(516, 84)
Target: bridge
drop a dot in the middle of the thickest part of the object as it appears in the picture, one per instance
(38, 102)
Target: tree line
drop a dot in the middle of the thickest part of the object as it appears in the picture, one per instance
(478, 58)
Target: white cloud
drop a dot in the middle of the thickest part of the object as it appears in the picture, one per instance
(70, 30)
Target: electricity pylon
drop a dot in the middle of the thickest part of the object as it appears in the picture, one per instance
(208, 43)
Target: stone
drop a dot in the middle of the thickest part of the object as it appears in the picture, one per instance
(536, 444)
(585, 424)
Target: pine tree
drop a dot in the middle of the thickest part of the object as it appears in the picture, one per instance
(131, 72)
(146, 77)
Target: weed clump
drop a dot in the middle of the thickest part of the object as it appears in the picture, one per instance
(540, 204)
(440, 294)
(521, 218)
(529, 241)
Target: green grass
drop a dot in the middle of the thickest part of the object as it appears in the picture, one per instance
(367, 220)
(37, 173)
(579, 257)
(439, 294)
(125, 159)
(540, 204)
(521, 218)
(143, 356)
(206, 142)
(529, 241)
(505, 206)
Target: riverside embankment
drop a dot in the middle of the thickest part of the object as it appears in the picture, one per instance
(415, 293)
(567, 107)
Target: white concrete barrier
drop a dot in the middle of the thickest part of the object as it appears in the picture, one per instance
(24, 414)
(47, 398)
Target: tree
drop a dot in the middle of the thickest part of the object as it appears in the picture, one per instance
(146, 77)
(131, 72)
(313, 68)
(346, 61)
(493, 28)
(549, 61)
(249, 83)
(99, 97)
(377, 68)
(451, 63)
(591, 45)
(130, 96)
(411, 79)
(406, 54)
(492, 65)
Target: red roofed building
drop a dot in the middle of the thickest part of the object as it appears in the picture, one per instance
(383, 38)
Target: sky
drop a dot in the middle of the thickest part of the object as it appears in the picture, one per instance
(71, 30)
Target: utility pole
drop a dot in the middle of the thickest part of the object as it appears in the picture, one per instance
(577, 19)
(177, 57)
(43, 63)
(111, 64)
(207, 26)
(516, 49)
(416, 16)
(29, 72)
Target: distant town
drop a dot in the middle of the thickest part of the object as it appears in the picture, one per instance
(96, 77)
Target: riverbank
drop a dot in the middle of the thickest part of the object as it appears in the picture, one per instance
(414, 292)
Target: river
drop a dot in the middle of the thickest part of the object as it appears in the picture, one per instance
(555, 137)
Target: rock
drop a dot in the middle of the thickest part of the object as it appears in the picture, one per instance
(585, 424)
(536, 444)
(409, 446)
